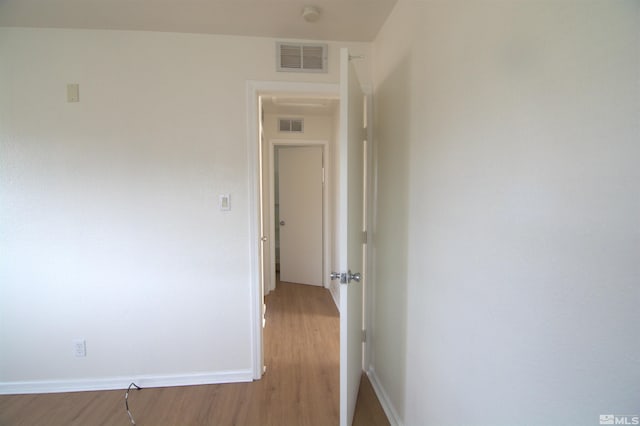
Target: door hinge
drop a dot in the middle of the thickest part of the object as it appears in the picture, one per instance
(364, 336)
(264, 315)
(365, 237)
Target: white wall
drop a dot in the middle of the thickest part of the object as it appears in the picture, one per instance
(109, 226)
(389, 241)
(508, 138)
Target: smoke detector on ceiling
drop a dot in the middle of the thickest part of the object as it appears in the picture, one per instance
(311, 13)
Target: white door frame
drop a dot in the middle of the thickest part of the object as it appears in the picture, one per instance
(254, 173)
(326, 204)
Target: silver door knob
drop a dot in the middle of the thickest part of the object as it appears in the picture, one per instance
(335, 275)
(354, 277)
(282, 223)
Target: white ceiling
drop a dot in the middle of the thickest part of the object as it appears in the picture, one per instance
(343, 20)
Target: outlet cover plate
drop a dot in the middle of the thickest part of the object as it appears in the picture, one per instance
(80, 348)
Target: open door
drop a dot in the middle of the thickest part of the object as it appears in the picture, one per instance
(350, 235)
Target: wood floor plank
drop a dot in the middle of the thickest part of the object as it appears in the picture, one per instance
(368, 412)
(300, 386)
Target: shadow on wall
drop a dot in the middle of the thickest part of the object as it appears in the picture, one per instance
(393, 99)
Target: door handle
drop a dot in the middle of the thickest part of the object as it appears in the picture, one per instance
(354, 277)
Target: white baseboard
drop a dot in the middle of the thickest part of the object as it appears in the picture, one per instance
(112, 383)
(335, 295)
(387, 406)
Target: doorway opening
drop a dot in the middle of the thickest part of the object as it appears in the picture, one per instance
(297, 188)
(296, 176)
(261, 274)
(290, 99)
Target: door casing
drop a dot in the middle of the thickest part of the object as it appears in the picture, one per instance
(254, 90)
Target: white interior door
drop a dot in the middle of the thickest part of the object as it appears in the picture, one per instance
(350, 241)
(300, 214)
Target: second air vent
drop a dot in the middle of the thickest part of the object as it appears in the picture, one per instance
(295, 125)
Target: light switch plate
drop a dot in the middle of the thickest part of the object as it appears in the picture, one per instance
(225, 202)
(73, 92)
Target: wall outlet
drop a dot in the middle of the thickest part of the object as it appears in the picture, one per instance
(80, 348)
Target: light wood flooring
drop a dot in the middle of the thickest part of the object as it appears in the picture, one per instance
(300, 387)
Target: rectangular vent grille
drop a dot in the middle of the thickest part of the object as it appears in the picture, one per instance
(291, 125)
(298, 57)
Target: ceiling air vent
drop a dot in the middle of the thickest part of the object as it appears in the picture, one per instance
(291, 125)
(301, 57)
